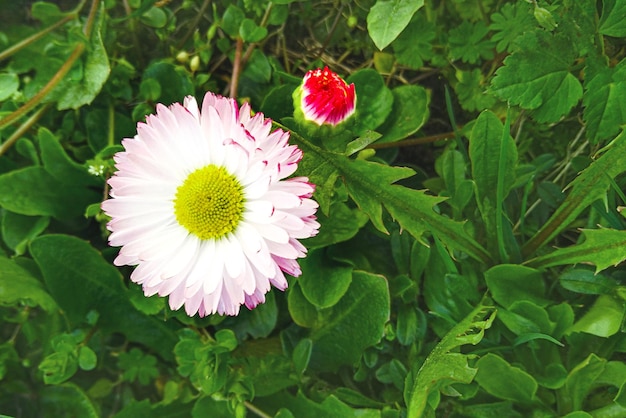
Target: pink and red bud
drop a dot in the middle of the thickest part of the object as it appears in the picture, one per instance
(325, 98)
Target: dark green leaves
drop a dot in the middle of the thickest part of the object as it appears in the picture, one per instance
(613, 16)
(520, 386)
(537, 76)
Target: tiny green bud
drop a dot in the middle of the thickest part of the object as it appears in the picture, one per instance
(182, 57)
(352, 21)
(194, 64)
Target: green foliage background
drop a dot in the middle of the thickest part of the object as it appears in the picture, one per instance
(469, 260)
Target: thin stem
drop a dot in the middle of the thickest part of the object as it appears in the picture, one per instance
(413, 141)
(19, 132)
(56, 79)
(457, 137)
(25, 42)
(194, 24)
(234, 81)
(256, 410)
(264, 19)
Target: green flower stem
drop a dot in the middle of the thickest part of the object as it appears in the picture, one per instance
(56, 79)
(19, 132)
(25, 42)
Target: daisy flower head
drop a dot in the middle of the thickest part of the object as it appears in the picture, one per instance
(325, 98)
(202, 206)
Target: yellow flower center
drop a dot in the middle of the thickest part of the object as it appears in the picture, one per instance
(209, 203)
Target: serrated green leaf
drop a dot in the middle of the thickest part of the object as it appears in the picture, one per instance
(602, 247)
(370, 186)
(387, 18)
(408, 114)
(414, 45)
(17, 284)
(467, 43)
(510, 22)
(589, 186)
(613, 21)
(443, 367)
(347, 331)
(537, 76)
(471, 90)
(80, 280)
(605, 109)
(504, 381)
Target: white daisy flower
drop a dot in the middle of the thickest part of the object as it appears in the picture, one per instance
(201, 205)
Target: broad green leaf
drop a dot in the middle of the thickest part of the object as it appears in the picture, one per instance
(496, 376)
(71, 93)
(353, 324)
(605, 109)
(206, 406)
(586, 282)
(323, 280)
(590, 185)
(370, 186)
(9, 84)
(60, 165)
(510, 283)
(251, 32)
(374, 100)
(491, 410)
(18, 285)
(537, 76)
(580, 381)
(525, 317)
(80, 280)
(301, 407)
(67, 400)
(342, 224)
(408, 114)
(387, 18)
(613, 21)
(485, 151)
(443, 367)
(301, 310)
(32, 191)
(19, 230)
(603, 319)
(231, 20)
(407, 324)
(302, 355)
(175, 82)
(602, 247)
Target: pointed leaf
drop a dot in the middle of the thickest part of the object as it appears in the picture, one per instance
(17, 284)
(387, 18)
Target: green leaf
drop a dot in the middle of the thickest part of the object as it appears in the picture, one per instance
(486, 140)
(586, 282)
(510, 22)
(175, 82)
(60, 165)
(231, 20)
(387, 18)
(602, 247)
(605, 109)
(72, 93)
(374, 100)
(302, 355)
(580, 381)
(80, 280)
(251, 32)
(471, 90)
(443, 367)
(408, 114)
(509, 283)
(537, 76)
(500, 379)
(603, 319)
(66, 400)
(613, 21)
(414, 45)
(87, 358)
(347, 331)
(301, 407)
(467, 43)
(323, 280)
(369, 185)
(342, 224)
(18, 285)
(9, 84)
(19, 230)
(32, 191)
(589, 186)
